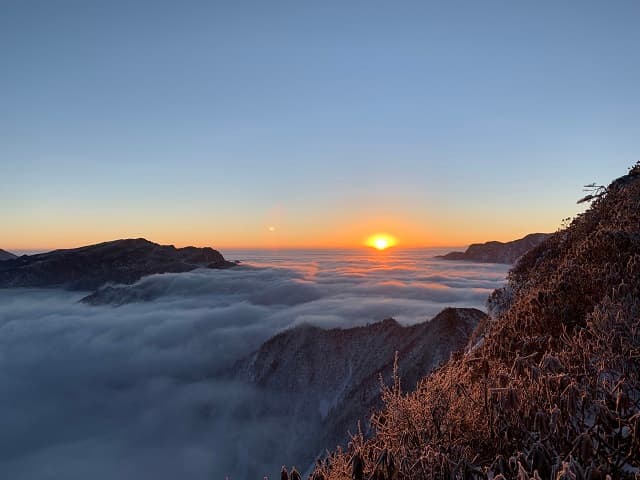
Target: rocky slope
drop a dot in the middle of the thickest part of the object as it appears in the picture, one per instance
(4, 255)
(551, 389)
(498, 252)
(331, 378)
(119, 261)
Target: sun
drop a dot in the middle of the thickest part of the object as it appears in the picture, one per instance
(381, 241)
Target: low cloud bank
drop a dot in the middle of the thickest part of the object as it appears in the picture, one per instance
(134, 391)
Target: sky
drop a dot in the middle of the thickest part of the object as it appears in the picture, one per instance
(309, 124)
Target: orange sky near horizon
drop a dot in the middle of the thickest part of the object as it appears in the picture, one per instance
(276, 231)
(315, 126)
(344, 221)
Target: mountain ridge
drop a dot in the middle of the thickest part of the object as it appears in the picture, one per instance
(121, 261)
(332, 377)
(498, 252)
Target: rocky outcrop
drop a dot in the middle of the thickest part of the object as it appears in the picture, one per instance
(4, 255)
(331, 378)
(119, 261)
(498, 252)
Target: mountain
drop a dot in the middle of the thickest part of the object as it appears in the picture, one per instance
(119, 261)
(550, 388)
(498, 252)
(332, 377)
(4, 255)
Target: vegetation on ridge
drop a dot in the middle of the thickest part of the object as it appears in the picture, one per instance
(552, 388)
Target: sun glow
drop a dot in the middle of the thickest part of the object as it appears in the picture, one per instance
(381, 241)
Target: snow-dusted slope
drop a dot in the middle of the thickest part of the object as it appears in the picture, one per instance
(330, 378)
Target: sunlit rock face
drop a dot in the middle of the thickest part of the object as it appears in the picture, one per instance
(330, 379)
(498, 252)
(119, 261)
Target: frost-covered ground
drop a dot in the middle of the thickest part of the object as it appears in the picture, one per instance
(132, 391)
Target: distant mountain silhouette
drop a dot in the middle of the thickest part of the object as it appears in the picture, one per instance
(331, 378)
(4, 255)
(119, 261)
(498, 252)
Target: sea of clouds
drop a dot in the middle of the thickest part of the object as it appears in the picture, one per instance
(139, 388)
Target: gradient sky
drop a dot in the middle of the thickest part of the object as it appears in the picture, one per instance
(206, 123)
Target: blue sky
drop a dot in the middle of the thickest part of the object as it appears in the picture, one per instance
(208, 122)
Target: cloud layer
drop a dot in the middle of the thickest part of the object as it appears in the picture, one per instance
(134, 391)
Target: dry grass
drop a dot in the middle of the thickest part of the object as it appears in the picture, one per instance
(553, 391)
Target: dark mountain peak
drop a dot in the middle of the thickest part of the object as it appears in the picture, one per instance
(389, 323)
(332, 377)
(305, 337)
(4, 255)
(121, 261)
(122, 243)
(450, 319)
(498, 252)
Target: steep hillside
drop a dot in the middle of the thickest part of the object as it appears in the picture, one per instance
(551, 388)
(331, 378)
(498, 252)
(119, 261)
(4, 255)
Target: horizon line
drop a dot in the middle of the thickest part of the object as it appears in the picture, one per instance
(33, 251)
